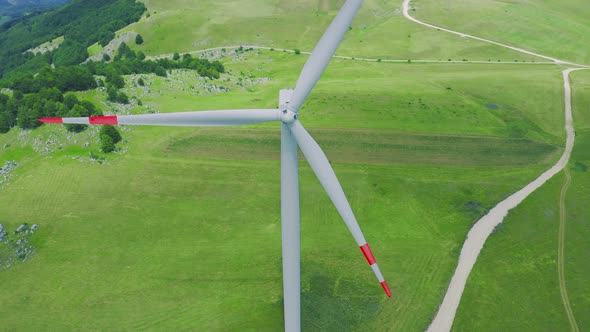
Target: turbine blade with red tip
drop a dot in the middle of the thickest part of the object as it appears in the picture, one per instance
(321, 167)
(202, 118)
(51, 120)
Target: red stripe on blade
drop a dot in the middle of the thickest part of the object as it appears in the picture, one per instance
(368, 254)
(386, 288)
(104, 120)
(51, 120)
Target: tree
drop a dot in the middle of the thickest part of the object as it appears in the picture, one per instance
(4, 125)
(106, 144)
(106, 57)
(90, 108)
(27, 117)
(297, 51)
(115, 79)
(70, 52)
(160, 71)
(141, 55)
(52, 94)
(138, 39)
(176, 56)
(70, 100)
(112, 132)
(140, 82)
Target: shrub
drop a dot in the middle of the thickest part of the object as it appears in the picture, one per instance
(106, 144)
(112, 132)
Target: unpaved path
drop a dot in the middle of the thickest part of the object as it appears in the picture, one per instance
(561, 254)
(258, 47)
(406, 8)
(482, 229)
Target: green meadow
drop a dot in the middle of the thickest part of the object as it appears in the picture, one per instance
(379, 31)
(557, 29)
(181, 230)
(514, 284)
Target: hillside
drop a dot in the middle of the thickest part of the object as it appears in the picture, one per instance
(11, 9)
(179, 228)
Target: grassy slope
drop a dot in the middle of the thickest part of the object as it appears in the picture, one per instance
(149, 241)
(514, 284)
(379, 31)
(173, 220)
(555, 28)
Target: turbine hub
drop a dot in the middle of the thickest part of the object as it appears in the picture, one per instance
(288, 116)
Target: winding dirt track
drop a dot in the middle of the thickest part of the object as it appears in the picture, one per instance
(481, 230)
(561, 254)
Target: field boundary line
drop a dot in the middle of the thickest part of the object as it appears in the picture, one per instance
(344, 57)
(561, 254)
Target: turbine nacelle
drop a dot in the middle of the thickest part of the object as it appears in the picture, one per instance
(287, 115)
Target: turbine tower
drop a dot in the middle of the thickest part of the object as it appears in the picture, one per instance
(293, 135)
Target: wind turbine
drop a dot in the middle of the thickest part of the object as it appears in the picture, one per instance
(292, 135)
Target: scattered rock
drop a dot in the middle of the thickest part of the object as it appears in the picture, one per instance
(6, 172)
(113, 45)
(16, 247)
(21, 228)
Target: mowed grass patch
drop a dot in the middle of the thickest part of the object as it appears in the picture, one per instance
(165, 241)
(420, 98)
(370, 147)
(378, 31)
(553, 28)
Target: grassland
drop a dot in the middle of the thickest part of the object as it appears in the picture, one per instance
(554, 28)
(183, 229)
(379, 31)
(514, 283)
(183, 232)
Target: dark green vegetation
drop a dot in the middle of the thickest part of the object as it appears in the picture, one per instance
(24, 110)
(109, 136)
(514, 284)
(40, 94)
(77, 21)
(10, 10)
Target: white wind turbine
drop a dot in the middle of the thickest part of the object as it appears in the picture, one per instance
(292, 135)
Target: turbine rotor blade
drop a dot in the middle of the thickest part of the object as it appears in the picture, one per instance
(202, 118)
(321, 167)
(323, 52)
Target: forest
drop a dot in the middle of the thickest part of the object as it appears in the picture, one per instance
(77, 22)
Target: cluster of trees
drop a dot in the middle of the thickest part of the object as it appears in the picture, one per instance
(24, 110)
(128, 62)
(109, 136)
(71, 78)
(77, 21)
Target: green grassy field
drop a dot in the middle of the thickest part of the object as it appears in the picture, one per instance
(514, 284)
(182, 231)
(379, 31)
(554, 28)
